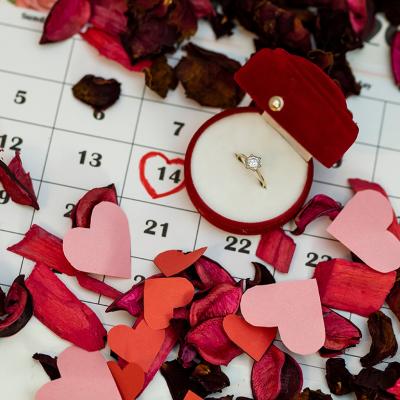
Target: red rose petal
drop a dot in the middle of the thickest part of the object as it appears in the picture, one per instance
(17, 308)
(395, 390)
(66, 18)
(220, 301)
(358, 14)
(17, 183)
(395, 55)
(212, 343)
(319, 206)
(61, 311)
(82, 212)
(202, 8)
(276, 375)
(111, 20)
(353, 287)
(211, 273)
(277, 249)
(41, 246)
(110, 46)
(340, 334)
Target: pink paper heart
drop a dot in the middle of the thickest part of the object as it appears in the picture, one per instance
(105, 247)
(81, 372)
(294, 307)
(362, 226)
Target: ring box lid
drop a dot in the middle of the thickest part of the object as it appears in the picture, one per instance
(314, 115)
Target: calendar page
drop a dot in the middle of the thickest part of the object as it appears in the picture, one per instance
(68, 150)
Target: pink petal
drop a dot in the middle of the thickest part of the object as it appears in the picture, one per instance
(61, 311)
(358, 15)
(353, 287)
(18, 183)
(395, 55)
(220, 301)
(110, 47)
(277, 249)
(202, 8)
(276, 375)
(66, 18)
(112, 21)
(211, 273)
(319, 206)
(212, 343)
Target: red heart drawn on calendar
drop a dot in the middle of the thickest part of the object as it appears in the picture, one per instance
(146, 180)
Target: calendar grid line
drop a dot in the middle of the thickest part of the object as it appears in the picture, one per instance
(379, 140)
(25, 28)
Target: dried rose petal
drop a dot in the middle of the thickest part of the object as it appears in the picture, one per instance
(308, 394)
(262, 276)
(201, 378)
(41, 246)
(97, 92)
(211, 274)
(160, 77)
(49, 365)
(2, 303)
(395, 56)
(82, 212)
(17, 183)
(109, 17)
(391, 8)
(393, 299)
(208, 77)
(342, 73)
(276, 375)
(339, 379)
(212, 343)
(18, 308)
(352, 287)
(220, 301)
(340, 334)
(384, 342)
(66, 18)
(61, 311)
(324, 59)
(358, 14)
(319, 206)
(202, 8)
(277, 249)
(110, 46)
(222, 25)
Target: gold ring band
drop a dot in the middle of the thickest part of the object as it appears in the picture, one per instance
(253, 163)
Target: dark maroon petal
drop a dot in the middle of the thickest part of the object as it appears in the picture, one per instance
(393, 299)
(202, 8)
(18, 308)
(82, 212)
(395, 55)
(109, 19)
(61, 311)
(187, 354)
(384, 343)
(262, 276)
(352, 287)
(66, 18)
(211, 273)
(160, 76)
(208, 77)
(49, 365)
(276, 375)
(17, 183)
(211, 342)
(338, 378)
(277, 249)
(220, 301)
(340, 334)
(110, 46)
(342, 73)
(319, 206)
(308, 394)
(2, 303)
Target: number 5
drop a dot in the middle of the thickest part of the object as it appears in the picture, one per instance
(20, 97)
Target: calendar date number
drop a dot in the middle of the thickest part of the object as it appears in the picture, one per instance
(154, 228)
(313, 259)
(240, 246)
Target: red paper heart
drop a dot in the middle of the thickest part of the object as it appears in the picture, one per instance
(162, 296)
(130, 380)
(138, 345)
(171, 262)
(147, 185)
(253, 340)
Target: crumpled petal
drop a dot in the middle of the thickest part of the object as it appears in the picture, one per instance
(276, 375)
(211, 274)
(212, 343)
(49, 365)
(160, 77)
(17, 308)
(319, 206)
(61, 311)
(277, 249)
(351, 286)
(220, 301)
(341, 334)
(41, 246)
(262, 276)
(66, 18)
(109, 16)
(309, 394)
(208, 77)
(82, 212)
(110, 46)
(358, 15)
(384, 343)
(395, 56)
(17, 183)
(202, 8)
(338, 378)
